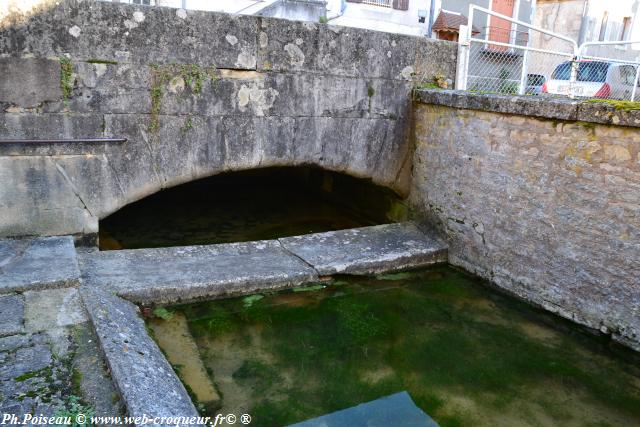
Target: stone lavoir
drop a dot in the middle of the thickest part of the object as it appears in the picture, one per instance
(539, 197)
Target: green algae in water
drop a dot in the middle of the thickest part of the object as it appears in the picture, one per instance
(465, 354)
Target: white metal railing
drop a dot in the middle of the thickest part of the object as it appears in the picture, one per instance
(505, 61)
(627, 86)
(383, 3)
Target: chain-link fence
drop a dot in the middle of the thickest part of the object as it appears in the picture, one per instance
(608, 70)
(504, 55)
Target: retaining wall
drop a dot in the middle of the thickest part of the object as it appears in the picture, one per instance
(542, 197)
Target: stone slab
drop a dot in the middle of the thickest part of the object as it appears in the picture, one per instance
(40, 263)
(142, 375)
(28, 82)
(26, 360)
(164, 275)
(51, 308)
(11, 314)
(397, 410)
(368, 250)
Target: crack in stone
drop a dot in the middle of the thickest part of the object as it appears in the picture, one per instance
(73, 187)
(284, 248)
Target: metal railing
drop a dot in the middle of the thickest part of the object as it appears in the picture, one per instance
(63, 141)
(504, 60)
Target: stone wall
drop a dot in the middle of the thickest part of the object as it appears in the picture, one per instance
(196, 93)
(546, 207)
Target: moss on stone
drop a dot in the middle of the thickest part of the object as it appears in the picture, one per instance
(193, 75)
(66, 78)
(619, 105)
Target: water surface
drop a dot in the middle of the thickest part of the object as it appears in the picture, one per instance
(467, 355)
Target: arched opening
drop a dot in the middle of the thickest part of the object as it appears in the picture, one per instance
(250, 205)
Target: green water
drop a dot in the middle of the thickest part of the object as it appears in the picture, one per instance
(467, 355)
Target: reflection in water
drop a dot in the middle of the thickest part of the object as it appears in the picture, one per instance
(250, 205)
(466, 354)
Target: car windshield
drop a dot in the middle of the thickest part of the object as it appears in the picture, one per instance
(587, 71)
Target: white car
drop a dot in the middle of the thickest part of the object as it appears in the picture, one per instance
(595, 79)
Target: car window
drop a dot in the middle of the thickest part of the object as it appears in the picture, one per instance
(627, 74)
(592, 71)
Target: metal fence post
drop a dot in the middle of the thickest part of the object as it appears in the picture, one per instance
(462, 67)
(573, 77)
(635, 83)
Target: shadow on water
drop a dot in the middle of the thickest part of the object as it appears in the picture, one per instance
(250, 205)
(467, 355)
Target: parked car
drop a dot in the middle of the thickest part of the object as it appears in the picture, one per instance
(534, 84)
(595, 79)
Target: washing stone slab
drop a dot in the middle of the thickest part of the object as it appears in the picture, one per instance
(38, 263)
(146, 382)
(368, 250)
(187, 273)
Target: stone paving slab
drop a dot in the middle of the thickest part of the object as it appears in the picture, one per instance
(52, 308)
(140, 372)
(38, 263)
(368, 250)
(164, 275)
(11, 314)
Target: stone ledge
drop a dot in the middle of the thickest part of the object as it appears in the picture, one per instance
(142, 375)
(178, 274)
(41, 263)
(534, 106)
(188, 273)
(367, 250)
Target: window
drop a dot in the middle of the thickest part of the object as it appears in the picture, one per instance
(603, 26)
(626, 28)
(591, 71)
(383, 3)
(628, 74)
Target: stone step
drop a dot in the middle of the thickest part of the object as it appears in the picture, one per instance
(38, 263)
(167, 275)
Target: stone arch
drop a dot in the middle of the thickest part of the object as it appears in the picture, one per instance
(224, 208)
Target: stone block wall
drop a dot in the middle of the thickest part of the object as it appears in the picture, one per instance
(546, 209)
(196, 93)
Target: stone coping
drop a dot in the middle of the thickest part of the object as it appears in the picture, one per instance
(144, 378)
(189, 273)
(535, 106)
(367, 250)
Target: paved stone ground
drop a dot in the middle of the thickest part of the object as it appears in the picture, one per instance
(37, 263)
(48, 353)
